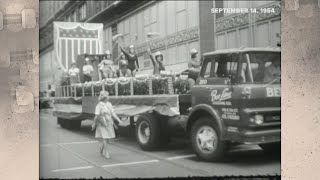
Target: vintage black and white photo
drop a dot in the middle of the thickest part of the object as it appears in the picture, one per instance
(143, 89)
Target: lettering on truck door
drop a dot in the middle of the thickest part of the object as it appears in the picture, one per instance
(215, 84)
(219, 74)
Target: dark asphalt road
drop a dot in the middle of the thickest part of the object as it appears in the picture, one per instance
(75, 154)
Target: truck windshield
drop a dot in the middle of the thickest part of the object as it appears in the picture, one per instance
(260, 67)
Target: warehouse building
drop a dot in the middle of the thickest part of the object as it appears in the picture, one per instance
(179, 25)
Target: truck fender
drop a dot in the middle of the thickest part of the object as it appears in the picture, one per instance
(205, 110)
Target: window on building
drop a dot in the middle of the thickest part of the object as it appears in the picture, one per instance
(98, 7)
(74, 16)
(182, 53)
(181, 15)
(69, 18)
(171, 17)
(108, 39)
(151, 19)
(83, 11)
(193, 13)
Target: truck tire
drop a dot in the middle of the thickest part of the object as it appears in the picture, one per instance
(206, 140)
(271, 147)
(148, 132)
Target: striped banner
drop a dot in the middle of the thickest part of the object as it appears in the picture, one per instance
(72, 39)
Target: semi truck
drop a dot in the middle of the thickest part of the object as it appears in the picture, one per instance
(236, 99)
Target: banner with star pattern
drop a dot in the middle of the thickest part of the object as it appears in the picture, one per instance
(72, 39)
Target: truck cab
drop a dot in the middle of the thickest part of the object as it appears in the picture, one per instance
(236, 99)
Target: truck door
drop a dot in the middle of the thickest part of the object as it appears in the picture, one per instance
(215, 84)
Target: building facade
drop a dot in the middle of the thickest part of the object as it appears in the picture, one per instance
(177, 27)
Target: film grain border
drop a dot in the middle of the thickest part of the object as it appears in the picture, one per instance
(19, 82)
(300, 100)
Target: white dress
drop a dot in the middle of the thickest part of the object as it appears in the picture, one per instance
(106, 110)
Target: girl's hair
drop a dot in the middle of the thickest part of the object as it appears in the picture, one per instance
(159, 56)
(103, 95)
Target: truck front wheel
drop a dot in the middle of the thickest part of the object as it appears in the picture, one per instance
(148, 132)
(206, 140)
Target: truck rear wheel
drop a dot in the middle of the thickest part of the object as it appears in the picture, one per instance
(149, 132)
(206, 140)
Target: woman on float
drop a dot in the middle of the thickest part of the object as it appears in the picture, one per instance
(133, 63)
(157, 62)
(106, 66)
(123, 69)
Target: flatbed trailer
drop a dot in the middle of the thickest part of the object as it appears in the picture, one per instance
(167, 113)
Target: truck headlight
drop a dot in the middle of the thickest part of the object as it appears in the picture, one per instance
(257, 119)
(246, 92)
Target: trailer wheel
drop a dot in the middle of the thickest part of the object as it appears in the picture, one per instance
(206, 140)
(148, 129)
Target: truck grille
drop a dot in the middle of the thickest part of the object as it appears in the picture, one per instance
(272, 118)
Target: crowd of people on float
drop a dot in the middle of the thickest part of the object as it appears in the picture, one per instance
(128, 65)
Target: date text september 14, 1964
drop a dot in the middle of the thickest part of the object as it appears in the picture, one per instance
(242, 10)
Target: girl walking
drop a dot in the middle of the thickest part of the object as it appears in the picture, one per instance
(103, 122)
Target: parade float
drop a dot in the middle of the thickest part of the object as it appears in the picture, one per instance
(228, 103)
(166, 94)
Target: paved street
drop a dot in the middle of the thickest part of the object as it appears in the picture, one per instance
(75, 154)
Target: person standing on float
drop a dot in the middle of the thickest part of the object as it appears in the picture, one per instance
(133, 63)
(123, 69)
(87, 70)
(157, 62)
(194, 66)
(106, 66)
(74, 74)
